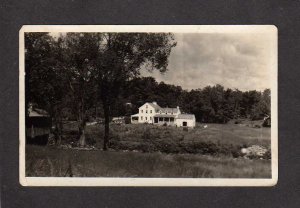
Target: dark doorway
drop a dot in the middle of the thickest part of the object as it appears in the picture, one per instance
(184, 123)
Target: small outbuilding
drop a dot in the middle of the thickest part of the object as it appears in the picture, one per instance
(186, 120)
(38, 125)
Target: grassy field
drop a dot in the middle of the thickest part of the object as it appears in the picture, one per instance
(47, 161)
(155, 151)
(216, 139)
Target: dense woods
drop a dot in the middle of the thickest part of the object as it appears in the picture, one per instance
(212, 104)
(84, 76)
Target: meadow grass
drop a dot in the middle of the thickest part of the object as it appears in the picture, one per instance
(216, 139)
(137, 150)
(48, 161)
(223, 133)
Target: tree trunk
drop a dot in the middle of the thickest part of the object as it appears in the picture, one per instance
(106, 127)
(60, 131)
(57, 131)
(57, 135)
(82, 142)
(82, 139)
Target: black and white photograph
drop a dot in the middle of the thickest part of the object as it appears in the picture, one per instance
(113, 105)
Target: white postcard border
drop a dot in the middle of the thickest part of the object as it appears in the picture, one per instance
(106, 181)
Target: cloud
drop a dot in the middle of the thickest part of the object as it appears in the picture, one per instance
(232, 60)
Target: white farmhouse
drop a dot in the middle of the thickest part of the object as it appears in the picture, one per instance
(154, 114)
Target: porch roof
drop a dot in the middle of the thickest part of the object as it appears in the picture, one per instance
(164, 116)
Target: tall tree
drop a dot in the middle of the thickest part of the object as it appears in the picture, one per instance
(122, 57)
(81, 51)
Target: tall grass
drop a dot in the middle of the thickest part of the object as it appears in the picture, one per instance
(47, 161)
(217, 139)
(155, 151)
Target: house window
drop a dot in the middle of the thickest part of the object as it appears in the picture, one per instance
(141, 111)
(161, 119)
(146, 111)
(146, 106)
(171, 119)
(151, 118)
(146, 118)
(150, 111)
(141, 117)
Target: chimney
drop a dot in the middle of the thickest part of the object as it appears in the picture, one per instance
(177, 107)
(155, 103)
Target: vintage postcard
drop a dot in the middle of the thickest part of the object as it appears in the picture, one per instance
(114, 105)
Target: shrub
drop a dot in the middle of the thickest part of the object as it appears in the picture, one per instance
(237, 122)
(90, 141)
(257, 126)
(267, 155)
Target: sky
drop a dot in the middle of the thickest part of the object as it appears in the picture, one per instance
(234, 60)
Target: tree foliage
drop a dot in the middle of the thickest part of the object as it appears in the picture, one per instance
(78, 70)
(45, 76)
(122, 56)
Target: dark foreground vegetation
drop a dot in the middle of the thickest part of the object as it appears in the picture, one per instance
(155, 151)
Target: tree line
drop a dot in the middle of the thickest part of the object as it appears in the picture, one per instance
(212, 104)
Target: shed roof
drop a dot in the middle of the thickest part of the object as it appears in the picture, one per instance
(38, 113)
(186, 116)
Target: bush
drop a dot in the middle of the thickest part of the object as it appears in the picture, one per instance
(237, 122)
(90, 141)
(257, 126)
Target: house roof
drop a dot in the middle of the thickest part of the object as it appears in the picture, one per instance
(154, 105)
(186, 116)
(163, 110)
(169, 110)
(135, 115)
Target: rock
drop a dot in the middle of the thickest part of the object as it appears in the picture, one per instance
(254, 151)
(245, 151)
